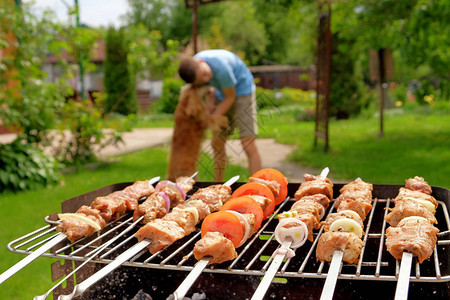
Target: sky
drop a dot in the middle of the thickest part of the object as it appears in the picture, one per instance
(93, 13)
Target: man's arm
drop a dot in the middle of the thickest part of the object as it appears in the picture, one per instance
(230, 97)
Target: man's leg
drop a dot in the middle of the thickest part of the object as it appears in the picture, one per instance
(254, 159)
(220, 156)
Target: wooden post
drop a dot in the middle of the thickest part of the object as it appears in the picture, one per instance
(194, 24)
(323, 75)
(80, 58)
(381, 82)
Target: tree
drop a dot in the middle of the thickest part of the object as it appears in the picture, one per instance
(119, 86)
(418, 31)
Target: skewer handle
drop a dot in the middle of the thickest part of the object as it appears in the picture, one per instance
(154, 180)
(401, 293)
(191, 278)
(24, 262)
(333, 273)
(80, 288)
(271, 272)
(325, 172)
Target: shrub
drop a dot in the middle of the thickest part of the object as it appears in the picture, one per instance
(398, 93)
(267, 99)
(23, 166)
(119, 84)
(90, 131)
(169, 99)
(347, 89)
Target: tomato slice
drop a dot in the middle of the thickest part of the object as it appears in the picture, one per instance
(273, 174)
(270, 206)
(254, 188)
(226, 223)
(246, 205)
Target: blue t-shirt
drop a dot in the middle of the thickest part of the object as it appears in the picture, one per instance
(228, 70)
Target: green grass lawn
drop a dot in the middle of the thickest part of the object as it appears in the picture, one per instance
(413, 144)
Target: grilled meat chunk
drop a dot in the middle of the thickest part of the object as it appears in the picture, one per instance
(418, 184)
(114, 205)
(185, 216)
(359, 195)
(315, 185)
(404, 193)
(152, 208)
(319, 198)
(75, 228)
(356, 196)
(362, 208)
(111, 207)
(304, 207)
(214, 196)
(202, 208)
(357, 185)
(215, 245)
(271, 184)
(406, 208)
(262, 201)
(414, 235)
(185, 183)
(347, 242)
(93, 214)
(131, 194)
(161, 232)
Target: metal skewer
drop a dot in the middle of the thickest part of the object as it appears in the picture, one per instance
(41, 250)
(92, 255)
(24, 262)
(401, 293)
(271, 272)
(191, 278)
(118, 261)
(278, 259)
(333, 273)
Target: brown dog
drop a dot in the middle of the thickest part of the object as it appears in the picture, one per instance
(191, 121)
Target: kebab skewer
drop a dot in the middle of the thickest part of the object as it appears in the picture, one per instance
(144, 212)
(160, 233)
(343, 231)
(296, 225)
(87, 221)
(412, 232)
(236, 222)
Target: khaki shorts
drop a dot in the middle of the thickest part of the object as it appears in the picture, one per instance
(242, 116)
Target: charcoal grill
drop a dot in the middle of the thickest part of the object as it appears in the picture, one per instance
(301, 277)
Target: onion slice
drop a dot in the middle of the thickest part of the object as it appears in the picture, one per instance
(346, 225)
(298, 233)
(166, 200)
(172, 186)
(246, 225)
(192, 210)
(413, 219)
(352, 213)
(81, 218)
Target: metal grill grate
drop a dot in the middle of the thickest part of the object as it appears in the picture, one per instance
(254, 256)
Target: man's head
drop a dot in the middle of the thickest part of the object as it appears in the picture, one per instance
(195, 71)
